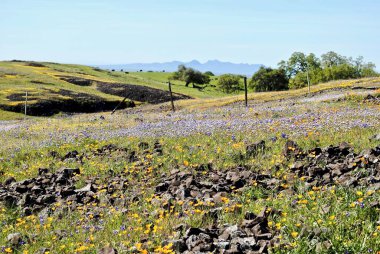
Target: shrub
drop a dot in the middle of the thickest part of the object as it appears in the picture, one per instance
(229, 83)
(268, 79)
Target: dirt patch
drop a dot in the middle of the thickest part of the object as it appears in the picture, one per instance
(98, 69)
(139, 93)
(76, 103)
(375, 87)
(34, 64)
(20, 97)
(77, 81)
(39, 82)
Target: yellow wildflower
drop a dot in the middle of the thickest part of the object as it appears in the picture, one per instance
(294, 234)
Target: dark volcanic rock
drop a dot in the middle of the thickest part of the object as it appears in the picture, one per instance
(252, 237)
(9, 180)
(256, 148)
(291, 149)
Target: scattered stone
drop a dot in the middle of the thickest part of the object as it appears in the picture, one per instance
(255, 149)
(291, 149)
(9, 180)
(43, 251)
(253, 237)
(71, 155)
(179, 246)
(143, 145)
(375, 137)
(14, 239)
(43, 171)
(323, 246)
(107, 250)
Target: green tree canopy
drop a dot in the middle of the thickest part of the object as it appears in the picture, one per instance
(189, 75)
(332, 58)
(209, 73)
(268, 79)
(299, 62)
(331, 66)
(229, 83)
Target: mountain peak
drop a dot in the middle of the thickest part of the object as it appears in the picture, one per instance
(194, 62)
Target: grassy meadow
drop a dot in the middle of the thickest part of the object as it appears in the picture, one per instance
(208, 134)
(43, 81)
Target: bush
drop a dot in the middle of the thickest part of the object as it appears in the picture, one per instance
(268, 79)
(229, 83)
(189, 75)
(299, 81)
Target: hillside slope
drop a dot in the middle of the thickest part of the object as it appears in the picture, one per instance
(54, 88)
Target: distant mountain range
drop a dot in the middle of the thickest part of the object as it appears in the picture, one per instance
(215, 66)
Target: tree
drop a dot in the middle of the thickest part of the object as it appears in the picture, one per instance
(313, 62)
(368, 70)
(364, 69)
(331, 58)
(332, 66)
(229, 83)
(298, 81)
(189, 75)
(268, 79)
(299, 62)
(209, 73)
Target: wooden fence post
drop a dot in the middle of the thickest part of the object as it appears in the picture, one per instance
(171, 95)
(246, 92)
(118, 105)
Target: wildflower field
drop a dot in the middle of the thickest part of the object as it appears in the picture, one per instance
(290, 173)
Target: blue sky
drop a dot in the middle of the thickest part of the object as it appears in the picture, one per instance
(245, 31)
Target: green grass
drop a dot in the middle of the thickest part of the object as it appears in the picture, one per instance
(42, 83)
(346, 226)
(6, 115)
(341, 232)
(25, 150)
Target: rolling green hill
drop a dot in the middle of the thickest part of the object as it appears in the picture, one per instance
(54, 88)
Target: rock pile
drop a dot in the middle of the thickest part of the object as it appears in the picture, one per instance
(251, 236)
(372, 99)
(33, 195)
(207, 184)
(333, 165)
(339, 165)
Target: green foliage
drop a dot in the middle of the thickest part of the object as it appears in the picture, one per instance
(331, 66)
(189, 75)
(209, 73)
(333, 59)
(299, 62)
(268, 79)
(299, 81)
(229, 83)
